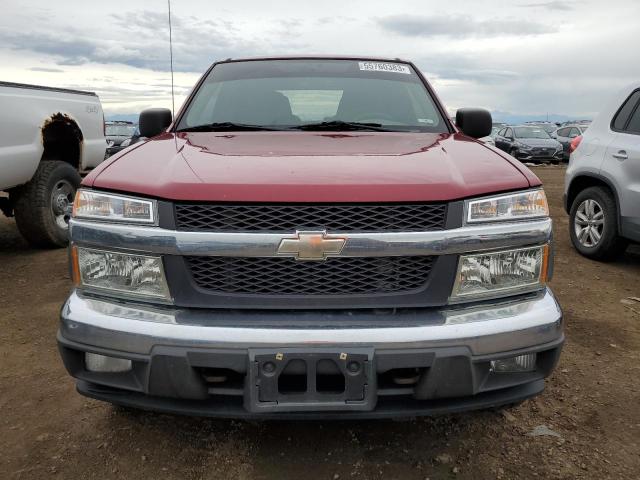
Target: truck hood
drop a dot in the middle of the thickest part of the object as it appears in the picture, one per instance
(311, 167)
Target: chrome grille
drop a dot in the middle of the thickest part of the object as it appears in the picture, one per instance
(290, 217)
(287, 276)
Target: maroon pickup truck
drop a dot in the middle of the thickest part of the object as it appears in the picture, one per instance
(311, 237)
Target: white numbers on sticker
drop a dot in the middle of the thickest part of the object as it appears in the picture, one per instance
(384, 67)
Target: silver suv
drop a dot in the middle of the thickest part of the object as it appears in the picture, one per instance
(602, 183)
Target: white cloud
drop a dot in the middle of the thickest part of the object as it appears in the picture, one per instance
(528, 57)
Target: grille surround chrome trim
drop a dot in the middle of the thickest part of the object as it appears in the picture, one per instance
(157, 240)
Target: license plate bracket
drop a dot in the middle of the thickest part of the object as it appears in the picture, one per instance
(311, 380)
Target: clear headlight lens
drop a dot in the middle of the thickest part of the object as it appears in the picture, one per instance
(514, 206)
(132, 275)
(113, 208)
(500, 273)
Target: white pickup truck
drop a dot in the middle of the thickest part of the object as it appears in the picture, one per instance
(48, 138)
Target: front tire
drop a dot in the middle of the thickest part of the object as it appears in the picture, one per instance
(41, 206)
(593, 225)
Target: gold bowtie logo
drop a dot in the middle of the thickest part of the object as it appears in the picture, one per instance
(315, 245)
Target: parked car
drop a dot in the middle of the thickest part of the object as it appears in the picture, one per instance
(548, 127)
(118, 132)
(489, 139)
(565, 136)
(49, 137)
(529, 144)
(135, 138)
(601, 183)
(316, 239)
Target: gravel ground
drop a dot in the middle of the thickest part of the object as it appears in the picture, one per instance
(588, 418)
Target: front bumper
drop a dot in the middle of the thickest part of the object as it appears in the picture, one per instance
(176, 353)
(539, 157)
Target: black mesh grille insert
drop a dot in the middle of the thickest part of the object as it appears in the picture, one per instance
(287, 276)
(290, 217)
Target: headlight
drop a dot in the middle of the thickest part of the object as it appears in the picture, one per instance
(124, 273)
(126, 142)
(500, 273)
(113, 208)
(522, 146)
(514, 206)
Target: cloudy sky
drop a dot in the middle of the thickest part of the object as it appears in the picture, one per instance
(523, 57)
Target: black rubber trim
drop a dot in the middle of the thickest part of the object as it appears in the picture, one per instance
(166, 217)
(168, 380)
(387, 407)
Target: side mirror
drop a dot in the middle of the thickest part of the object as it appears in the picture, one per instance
(154, 121)
(474, 122)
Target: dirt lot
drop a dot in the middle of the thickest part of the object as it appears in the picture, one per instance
(592, 402)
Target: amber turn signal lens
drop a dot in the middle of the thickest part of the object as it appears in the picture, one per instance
(544, 271)
(75, 268)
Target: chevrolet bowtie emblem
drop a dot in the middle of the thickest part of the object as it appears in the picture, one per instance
(314, 245)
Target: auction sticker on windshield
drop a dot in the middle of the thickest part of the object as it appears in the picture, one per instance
(384, 67)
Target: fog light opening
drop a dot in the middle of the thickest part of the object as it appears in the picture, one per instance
(100, 363)
(521, 363)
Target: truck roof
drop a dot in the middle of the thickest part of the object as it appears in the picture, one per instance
(51, 89)
(315, 57)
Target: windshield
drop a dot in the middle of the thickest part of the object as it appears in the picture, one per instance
(120, 130)
(530, 132)
(548, 127)
(287, 94)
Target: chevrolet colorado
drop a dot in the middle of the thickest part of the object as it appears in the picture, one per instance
(311, 238)
(48, 137)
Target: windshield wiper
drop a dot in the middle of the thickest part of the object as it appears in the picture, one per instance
(227, 127)
(339, 125)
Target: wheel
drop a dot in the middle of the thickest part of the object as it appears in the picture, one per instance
(593, 225)
(42, 205)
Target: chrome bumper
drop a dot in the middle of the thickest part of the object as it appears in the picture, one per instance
(486, 328)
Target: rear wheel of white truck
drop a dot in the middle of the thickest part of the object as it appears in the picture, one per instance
(42, 206)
